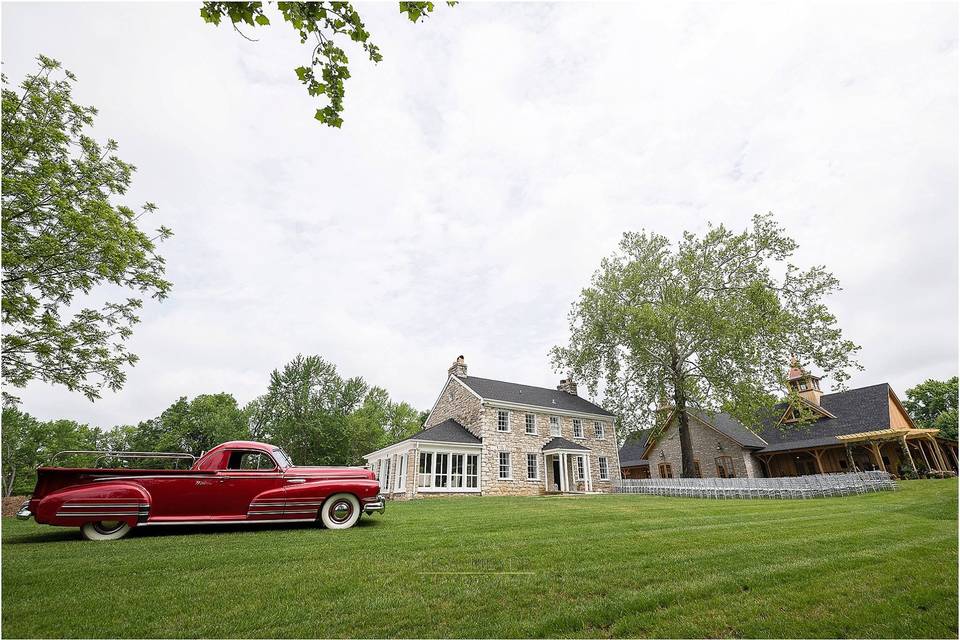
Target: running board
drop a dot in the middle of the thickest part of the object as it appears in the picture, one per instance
(176, 522)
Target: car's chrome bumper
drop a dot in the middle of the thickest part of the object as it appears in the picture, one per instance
(24, 513)
(375, 505)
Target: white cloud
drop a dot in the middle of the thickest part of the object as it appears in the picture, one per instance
(490, 162)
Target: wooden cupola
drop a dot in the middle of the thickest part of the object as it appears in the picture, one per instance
(804, 383)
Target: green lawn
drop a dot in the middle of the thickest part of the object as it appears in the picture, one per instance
(880, 565)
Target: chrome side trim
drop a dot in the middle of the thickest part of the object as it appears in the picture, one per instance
(243, 521)
(103, 504)
(87, 514)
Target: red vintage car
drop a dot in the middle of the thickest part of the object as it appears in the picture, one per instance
(232, 483)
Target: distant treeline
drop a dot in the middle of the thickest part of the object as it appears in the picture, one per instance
(316, 415)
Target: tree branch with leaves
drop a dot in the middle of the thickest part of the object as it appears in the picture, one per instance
(323, 25)
(63, 237)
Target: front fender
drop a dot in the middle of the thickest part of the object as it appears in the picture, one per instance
(322, 489)
(75, 506)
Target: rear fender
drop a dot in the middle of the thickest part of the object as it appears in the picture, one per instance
(75, 506)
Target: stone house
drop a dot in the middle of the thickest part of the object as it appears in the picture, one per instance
(490, 437)
(858, 429)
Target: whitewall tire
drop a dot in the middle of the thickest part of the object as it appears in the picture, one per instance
(340, 511)
(105, 530)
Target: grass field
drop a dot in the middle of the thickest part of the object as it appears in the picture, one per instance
(879, 565)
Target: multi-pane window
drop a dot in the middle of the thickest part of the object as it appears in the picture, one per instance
(471, 472)
(402, 472)
(440, 472)
(598, 430)
(604, 468)
(456, 471)
(425, 470)
(554, 426)
(580, 469)
(504, 465)
(696, 468)
(385, 479)
(725, 467)
(503, 420)
(533, 468)
(577, 428)
(666, 471)
(531, 424)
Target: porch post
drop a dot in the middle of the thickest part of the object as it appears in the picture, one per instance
(876, 452)
(546, 474)
(563, 472)
(906, 450)
(936, 449)
(850, 460)
(924, 453)
(816, 456)
(589, 478)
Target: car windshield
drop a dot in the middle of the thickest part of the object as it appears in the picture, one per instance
(282, 458)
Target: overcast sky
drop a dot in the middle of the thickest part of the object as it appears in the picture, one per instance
(488, 164)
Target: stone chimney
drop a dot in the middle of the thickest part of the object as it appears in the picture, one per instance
(458, 368)
(568, 385)
(804, 383)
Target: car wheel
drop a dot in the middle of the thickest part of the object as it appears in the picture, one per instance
(105, 530)
(340, 511)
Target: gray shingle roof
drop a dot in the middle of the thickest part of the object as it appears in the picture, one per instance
(856, 411)
(631, 453)
(447, 431)
(535, 396)
(563, 443)
(730, 427)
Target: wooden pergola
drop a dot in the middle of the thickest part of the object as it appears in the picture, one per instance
(873, 440)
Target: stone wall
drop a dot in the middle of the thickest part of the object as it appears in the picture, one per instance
(459, 403)
(518, 443)
(704, 442)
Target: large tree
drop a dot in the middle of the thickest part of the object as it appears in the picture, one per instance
(319, 417)
(709, 323)
(28, 443)
(63, 237)
(933, 405)
(324, 25)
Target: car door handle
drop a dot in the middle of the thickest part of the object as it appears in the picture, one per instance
(297, 480)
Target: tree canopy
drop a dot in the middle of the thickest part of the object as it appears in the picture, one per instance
(63, 237)
(319, 417)
(324, 25)
(933, 405)
(704, 324)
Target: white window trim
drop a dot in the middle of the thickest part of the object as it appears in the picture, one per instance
(535, 430)
(603, 461)
(582, 435)
(603, 430)
(449, 475)
(579, 474)
(508, 429)
(559, 431)
(509, 475)
(536, 466)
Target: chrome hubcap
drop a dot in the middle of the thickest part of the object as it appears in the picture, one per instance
(341, 511)
(106, 527)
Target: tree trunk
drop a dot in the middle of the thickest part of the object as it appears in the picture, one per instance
(683, 420)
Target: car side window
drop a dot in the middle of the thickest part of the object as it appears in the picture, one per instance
(251, 461)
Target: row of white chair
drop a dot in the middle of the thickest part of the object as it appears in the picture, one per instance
(813, 486)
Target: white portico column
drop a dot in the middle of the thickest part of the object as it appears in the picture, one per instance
(563, 471)
(546, 474)
(586, 468)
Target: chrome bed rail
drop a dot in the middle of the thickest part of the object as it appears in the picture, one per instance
(104, 455)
